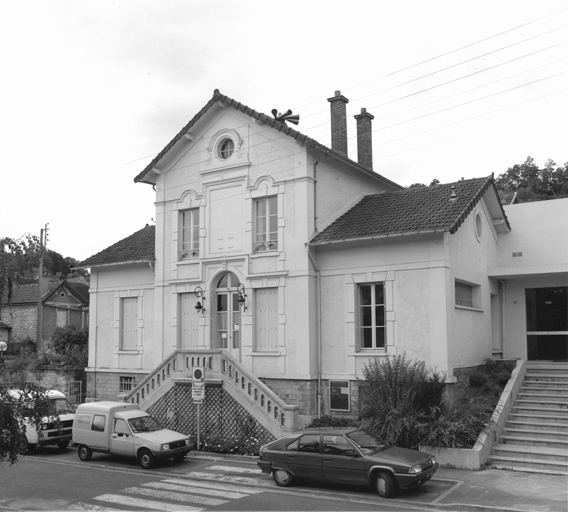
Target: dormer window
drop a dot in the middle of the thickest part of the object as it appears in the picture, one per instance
(225, 148)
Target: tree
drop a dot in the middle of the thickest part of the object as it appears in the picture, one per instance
(435, 181)
(18, 260)
(33, 403)
(532, 183)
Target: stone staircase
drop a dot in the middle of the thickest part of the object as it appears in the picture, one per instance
(535, 437)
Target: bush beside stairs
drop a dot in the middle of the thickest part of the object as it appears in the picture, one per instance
(535, 437)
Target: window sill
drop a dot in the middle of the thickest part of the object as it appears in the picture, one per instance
(466, 308)
(128, 352)
(264, 253)
(366, 352)
(266, 354)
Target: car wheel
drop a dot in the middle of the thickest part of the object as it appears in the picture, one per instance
(63, 444)
(84, 452)
(385, 486)
(179, 457)
(282, 477)
(146, 458)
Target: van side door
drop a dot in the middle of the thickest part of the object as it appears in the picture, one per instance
(121, 438)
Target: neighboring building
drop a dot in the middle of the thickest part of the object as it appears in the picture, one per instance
(282, 266)
(63, 303)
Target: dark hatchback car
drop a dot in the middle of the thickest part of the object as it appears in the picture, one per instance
(345, 456)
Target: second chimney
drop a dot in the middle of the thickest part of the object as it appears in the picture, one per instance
(338, 122)
(364, 138)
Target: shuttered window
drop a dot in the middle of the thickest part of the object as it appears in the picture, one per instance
(129, 324)
(266, 319)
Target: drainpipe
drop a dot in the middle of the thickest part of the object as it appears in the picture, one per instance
(318, 310)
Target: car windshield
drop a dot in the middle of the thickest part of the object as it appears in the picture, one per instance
(144, 424)
(60, 406)
(366, 442)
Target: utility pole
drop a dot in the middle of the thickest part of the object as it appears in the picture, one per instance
(39, 335)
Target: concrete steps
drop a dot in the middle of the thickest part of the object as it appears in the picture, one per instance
(535, 437)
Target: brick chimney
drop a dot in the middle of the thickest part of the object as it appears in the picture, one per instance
(364, 138)
(338, 122)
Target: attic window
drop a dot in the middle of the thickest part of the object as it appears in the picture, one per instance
(225, 148)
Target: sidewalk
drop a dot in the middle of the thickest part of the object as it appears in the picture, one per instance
(492, 490)
(496, 489)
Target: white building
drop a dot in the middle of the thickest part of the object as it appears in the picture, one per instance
(282, 266)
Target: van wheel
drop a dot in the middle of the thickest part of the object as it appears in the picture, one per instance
(84, 452)
(385, 486)
(62, 445)
(25, 447)
(146, 458)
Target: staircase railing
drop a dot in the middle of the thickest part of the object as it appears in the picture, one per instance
(256, 396)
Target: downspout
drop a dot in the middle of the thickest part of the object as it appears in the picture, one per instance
(318, 323)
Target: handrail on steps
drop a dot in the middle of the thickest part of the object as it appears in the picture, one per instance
(218, 363)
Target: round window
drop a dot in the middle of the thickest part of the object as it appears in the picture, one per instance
(226, 148)
(478, 225)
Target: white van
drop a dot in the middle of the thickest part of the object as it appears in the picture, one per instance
(55, 428)
(123, 429)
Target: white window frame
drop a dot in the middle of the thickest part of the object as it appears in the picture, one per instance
(348, 394)
(267, 240)
(132, 343)
(126, 384)
(189, 228)
(467, 295)
(373, 312)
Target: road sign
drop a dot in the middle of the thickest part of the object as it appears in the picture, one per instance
(198, 391)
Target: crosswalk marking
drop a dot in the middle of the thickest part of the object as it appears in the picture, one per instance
(176, 496)
(198, 490)
(233, 469)
(140, 503)
(214, 485)
(92, 508)
(228, 478)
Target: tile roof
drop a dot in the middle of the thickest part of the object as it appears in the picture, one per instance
(146, 174)
(409, 211)
(139, 246)
(26, 293)
(4, 325)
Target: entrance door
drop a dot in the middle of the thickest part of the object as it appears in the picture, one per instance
(228, 315)
(547, 323)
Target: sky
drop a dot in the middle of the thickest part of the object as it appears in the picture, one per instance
(93, 90)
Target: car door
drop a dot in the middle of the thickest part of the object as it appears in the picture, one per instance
(304, 458)
(341, 462)
(121, 439)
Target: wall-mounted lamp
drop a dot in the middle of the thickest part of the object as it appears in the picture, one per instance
(242, 295)
(198, 292)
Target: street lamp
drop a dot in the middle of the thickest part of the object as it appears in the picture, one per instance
(3, 347)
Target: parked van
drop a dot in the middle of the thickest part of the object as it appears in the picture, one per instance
(56, 429)
(123, 429)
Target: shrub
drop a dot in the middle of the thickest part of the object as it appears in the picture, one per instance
(69, 345)
(330, 421)
(477, 379)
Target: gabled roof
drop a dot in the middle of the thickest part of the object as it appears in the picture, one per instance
(26, 293)
(78, 290)
(138, 247)
(414, 211)
(148, 174)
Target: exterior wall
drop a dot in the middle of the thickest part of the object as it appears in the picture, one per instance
(411, 270)
(470, 329)
(105, 385)
(23, 320)
(108, 287)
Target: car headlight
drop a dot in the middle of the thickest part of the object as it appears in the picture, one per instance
(165, 447)
(432, 460)
(187, 442)
(44, 426)
(415, 469)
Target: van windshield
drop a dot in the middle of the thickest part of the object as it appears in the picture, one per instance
(60, 406)
(144, 424)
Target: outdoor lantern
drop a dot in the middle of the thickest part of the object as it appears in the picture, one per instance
(242, 295)
(198, 292)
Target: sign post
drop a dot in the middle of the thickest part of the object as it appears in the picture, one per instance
(198, 395)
